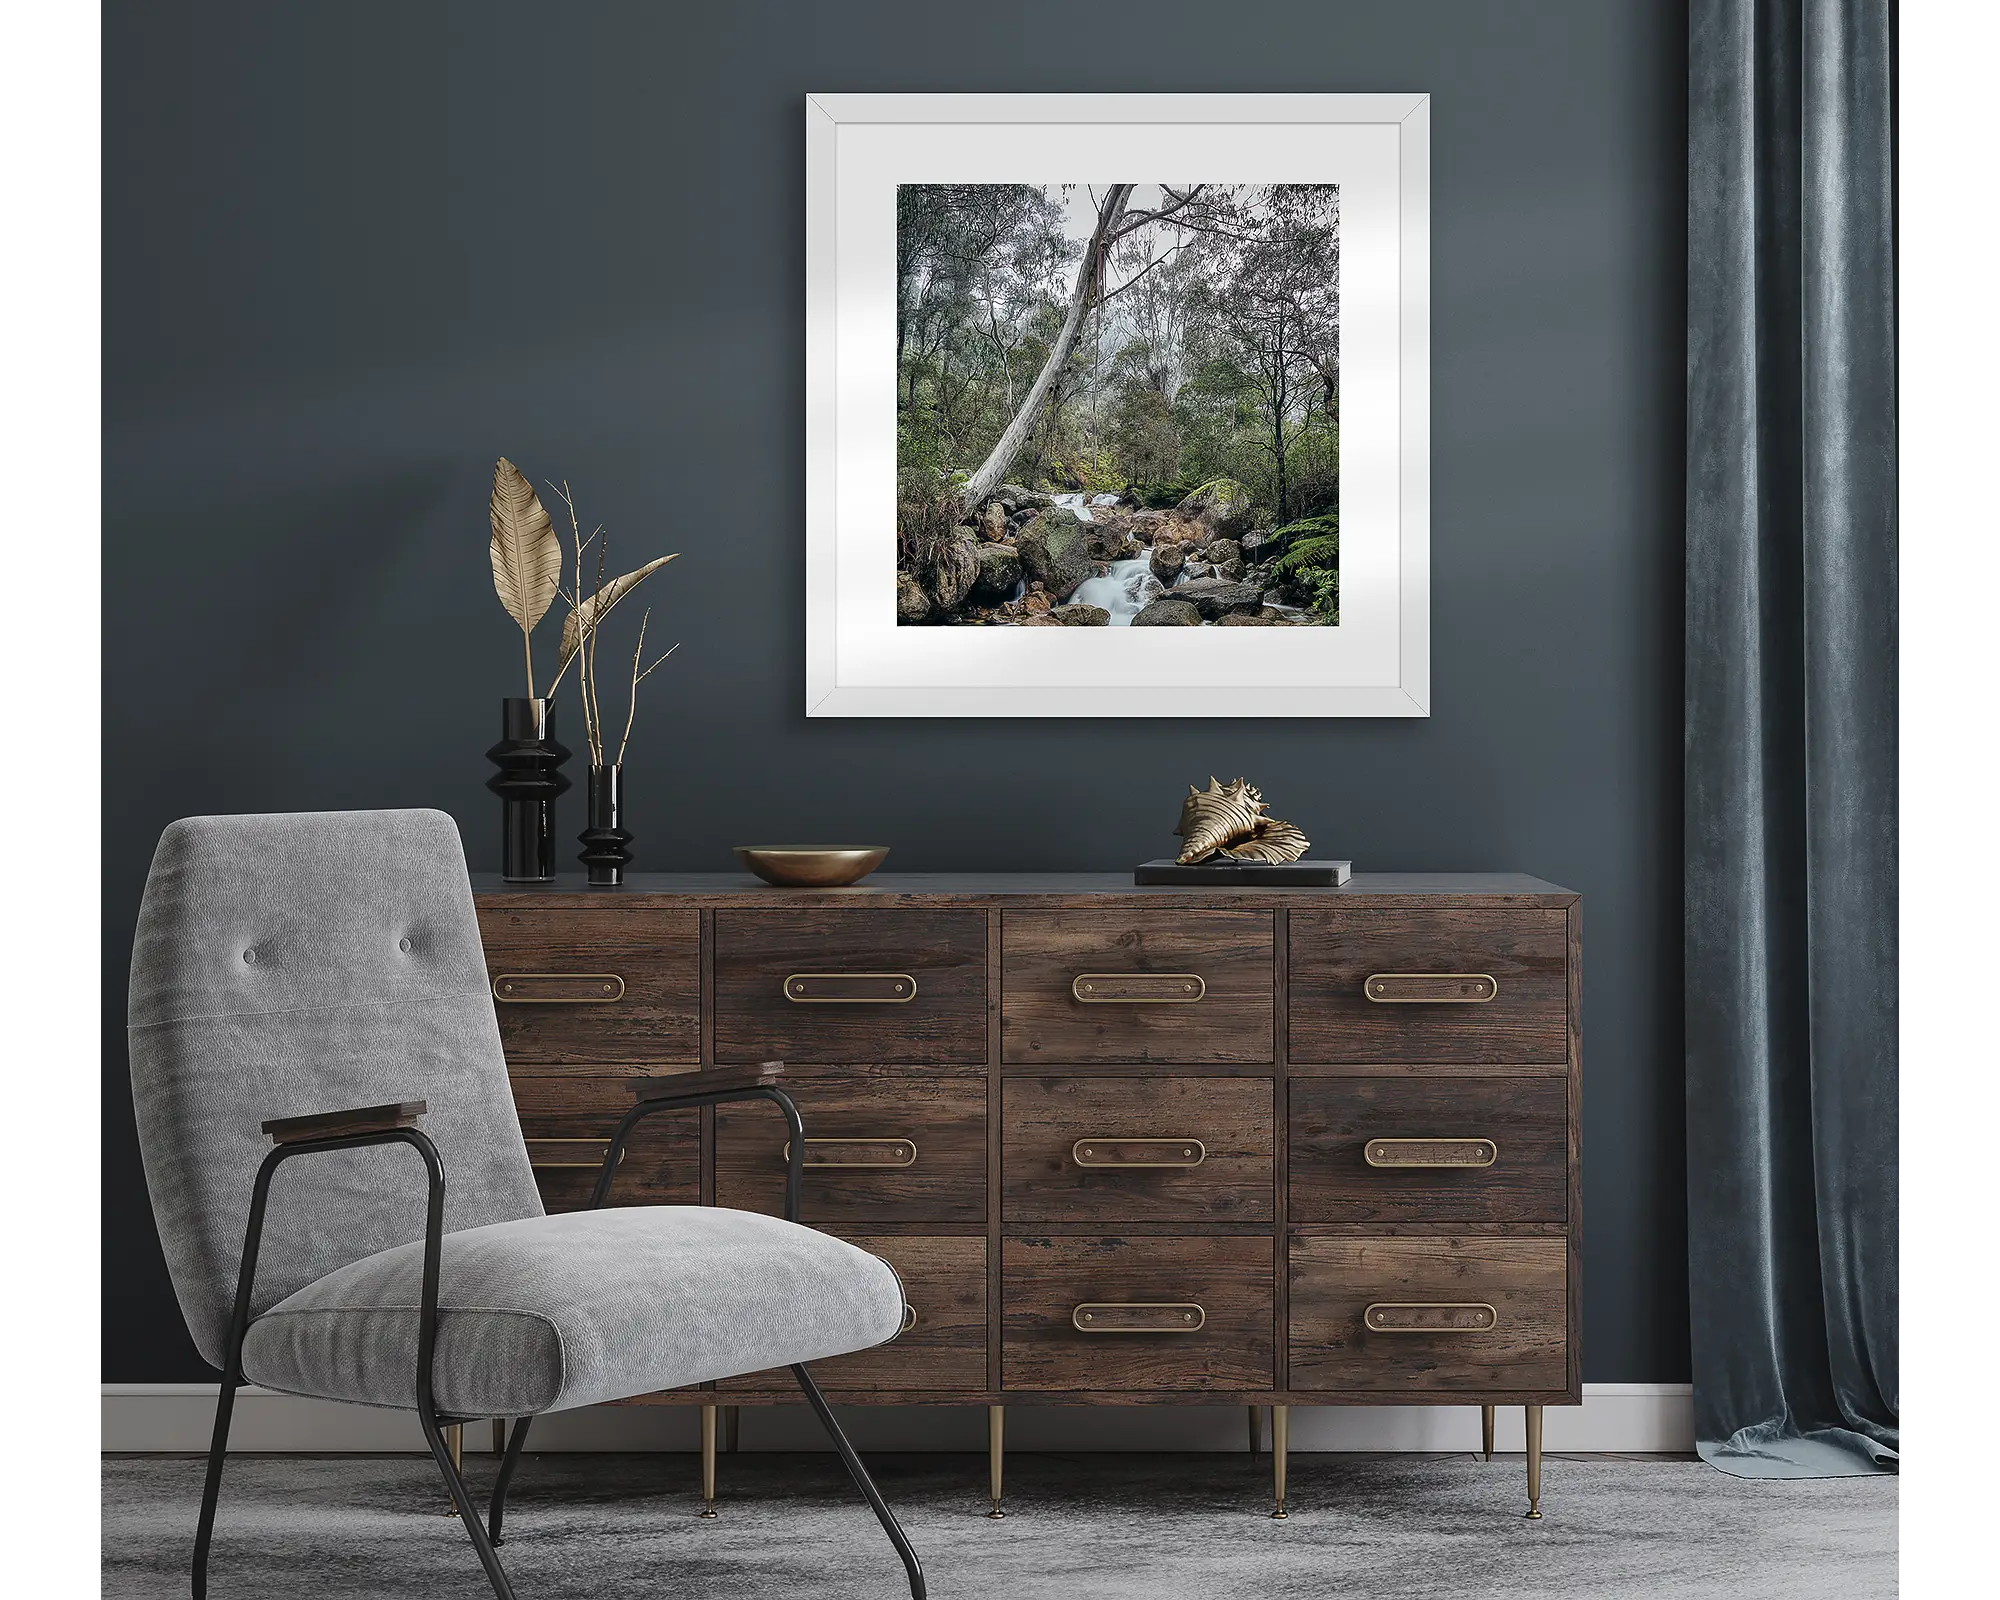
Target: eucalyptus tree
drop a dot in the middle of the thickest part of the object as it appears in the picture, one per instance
(1274, 300)
(963, 252)
(1192, 206)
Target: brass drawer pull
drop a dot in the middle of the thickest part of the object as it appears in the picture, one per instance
(1393, 1316)
(857, 1153)
(558, 988)
(1138, 1316)
(558, 1160)
(1430, 988)
(909, 1316)
(1138, 988)
(850, 988)
(1430, 1152)
(1183, 1154)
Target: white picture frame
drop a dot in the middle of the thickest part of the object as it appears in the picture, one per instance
(1376, 663)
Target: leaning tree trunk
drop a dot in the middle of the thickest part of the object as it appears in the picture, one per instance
(1089, 285)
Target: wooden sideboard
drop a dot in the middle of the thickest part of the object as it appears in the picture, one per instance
(1124, 1145)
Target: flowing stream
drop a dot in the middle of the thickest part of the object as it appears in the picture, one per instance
(1119, 591)
(1081, 503)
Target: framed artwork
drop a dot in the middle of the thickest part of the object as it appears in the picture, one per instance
(1091, 448)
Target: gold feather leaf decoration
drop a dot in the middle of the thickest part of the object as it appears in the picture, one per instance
(578, 624)
(1217, 816)
(527, 555)
(1274, 841)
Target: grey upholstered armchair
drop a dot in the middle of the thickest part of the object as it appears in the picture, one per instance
(343, 1192)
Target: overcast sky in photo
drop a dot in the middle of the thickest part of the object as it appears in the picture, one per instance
(1080, 206)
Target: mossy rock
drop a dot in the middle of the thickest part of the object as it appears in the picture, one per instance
(953, 572)
(1054, 552)
(912, 603)
(1222, 505)
(999, 572)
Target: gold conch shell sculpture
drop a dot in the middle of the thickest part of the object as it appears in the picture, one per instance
(1274, 841)
(1230, 821)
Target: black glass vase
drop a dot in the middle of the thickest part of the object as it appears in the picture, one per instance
(530, 777)
(606, 841)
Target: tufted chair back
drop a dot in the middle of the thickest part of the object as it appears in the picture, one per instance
(286, 965)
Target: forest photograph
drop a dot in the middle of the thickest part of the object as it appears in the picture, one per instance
(1118, 405)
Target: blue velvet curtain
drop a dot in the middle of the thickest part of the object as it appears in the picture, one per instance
(1791, 735)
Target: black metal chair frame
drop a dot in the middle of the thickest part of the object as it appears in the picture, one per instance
(485, 1537)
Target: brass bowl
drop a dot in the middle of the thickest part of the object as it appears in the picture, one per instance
(799, 866)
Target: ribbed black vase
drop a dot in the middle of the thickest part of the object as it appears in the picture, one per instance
(606, 842)
(530, 777)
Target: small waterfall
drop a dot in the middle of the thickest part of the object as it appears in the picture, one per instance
(1119, 591)
(1081, 503)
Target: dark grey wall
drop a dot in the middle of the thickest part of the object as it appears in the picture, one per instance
(352, 253)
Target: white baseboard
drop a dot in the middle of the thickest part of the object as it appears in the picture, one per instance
(1627, 1417)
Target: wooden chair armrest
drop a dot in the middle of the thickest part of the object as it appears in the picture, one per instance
(339, 1124)
(714, 1080)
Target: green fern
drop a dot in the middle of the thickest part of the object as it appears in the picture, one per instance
(1320, 550)
(1313, 562)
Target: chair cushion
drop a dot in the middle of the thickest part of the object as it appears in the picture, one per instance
(547, 1313)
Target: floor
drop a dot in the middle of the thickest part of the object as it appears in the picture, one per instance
(1119, 1527)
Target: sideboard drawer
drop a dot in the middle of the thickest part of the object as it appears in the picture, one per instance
(616, 986)
(1119, 1315)
(1428, 1315)
(942, 1348)
(888, 1147)
(1111, 1150)
(1138, 985)
(1451, 1149)
(1437, 987)
(568, 1122)
(858, 986)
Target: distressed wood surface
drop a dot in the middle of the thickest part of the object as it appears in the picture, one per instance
(944, 1280)
(576, 1079)
(656, 951)
(1573, 932)
(1335, 1280)
(1333, 1120)
(338, 1124)
(1043, 953)
(1044, 1118)
(942, 1116)
(1051, 889)
(566, 1118)
(1333, 953)
(943, 951)
(708, 1080)
(1044, 1279)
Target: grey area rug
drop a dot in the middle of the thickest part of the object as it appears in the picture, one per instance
(1120, 1527)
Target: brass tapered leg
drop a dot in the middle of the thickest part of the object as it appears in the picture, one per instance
(454, 1444)
(732, 1418)
(708, 1461)
(1486, 1430)
(1534, 1463)
(1256, 1429)
(1280, 1441)
(996, 1450)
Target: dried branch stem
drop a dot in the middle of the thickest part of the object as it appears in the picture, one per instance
(638, 678)
(632, 701)
(588, 614)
